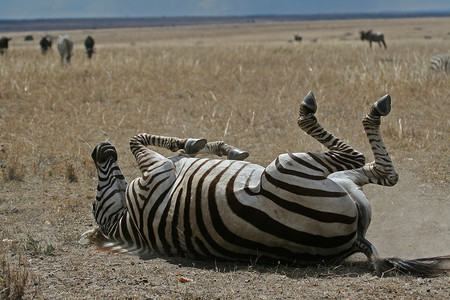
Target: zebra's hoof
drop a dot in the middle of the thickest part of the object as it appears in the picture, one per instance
(192, 146)
(103, 151)
(308, 105)
(383, 105)
(237, 154)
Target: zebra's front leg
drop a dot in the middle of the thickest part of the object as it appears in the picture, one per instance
(341, 156)
(189, 145)
(381, 171)
(192, 147)
(219, 148)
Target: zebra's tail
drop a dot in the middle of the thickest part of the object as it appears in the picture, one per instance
(427, 267)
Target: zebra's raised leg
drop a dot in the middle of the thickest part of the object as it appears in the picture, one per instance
(189, 145)
(341, 156)
(381, 171)
(219, 148)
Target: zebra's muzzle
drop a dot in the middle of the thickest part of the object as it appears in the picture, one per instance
(103, 151)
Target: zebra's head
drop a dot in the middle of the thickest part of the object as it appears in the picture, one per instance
(109, 204)
(102, 152)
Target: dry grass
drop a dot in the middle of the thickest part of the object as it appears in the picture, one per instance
(241, 84)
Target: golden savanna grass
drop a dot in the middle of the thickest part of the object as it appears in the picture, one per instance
(237, 83)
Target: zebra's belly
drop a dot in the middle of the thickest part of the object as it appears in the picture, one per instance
(230, 216)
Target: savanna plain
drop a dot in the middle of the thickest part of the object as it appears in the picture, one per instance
(239, 83)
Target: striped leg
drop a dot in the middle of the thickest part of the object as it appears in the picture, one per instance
(341, 156)
(219, 148)
(381, 171)
(192, 146)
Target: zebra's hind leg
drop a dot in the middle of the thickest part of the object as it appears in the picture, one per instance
(341, 156)
(381, 171)
(369, 250)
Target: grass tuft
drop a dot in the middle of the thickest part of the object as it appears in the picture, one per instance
(13, 280)
(70, 173)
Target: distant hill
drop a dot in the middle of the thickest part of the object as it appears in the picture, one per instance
(97, 23)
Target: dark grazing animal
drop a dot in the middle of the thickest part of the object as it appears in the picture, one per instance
(4, 44)
(306, 208)
(440, 63)
(46, 44)
(373, 37)
(298, 37)
(89, 45)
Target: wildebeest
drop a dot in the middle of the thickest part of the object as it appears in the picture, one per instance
(46, 44)
(4, 44)
(65, 46)
(373, 37)
(89, 44)
(298, 37)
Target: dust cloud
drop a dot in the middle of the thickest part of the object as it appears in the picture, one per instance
(410, 219)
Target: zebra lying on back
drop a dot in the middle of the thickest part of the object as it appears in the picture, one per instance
(373, 37)
(65, 47)
(441, 63)
(306, 208)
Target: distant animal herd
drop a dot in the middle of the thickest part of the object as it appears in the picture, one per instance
(438, 63)
(65, 45)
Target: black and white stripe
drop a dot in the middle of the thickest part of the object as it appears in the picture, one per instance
(303, 207)
(65, 47)
(440, 63)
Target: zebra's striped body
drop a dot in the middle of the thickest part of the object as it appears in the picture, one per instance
(65, 47)
(441, 63)
(303, 207)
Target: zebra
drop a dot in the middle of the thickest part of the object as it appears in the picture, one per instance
(373, 37)
(305, 208)
(4, 44)
(441, 63)
(65, 47)
(89, 45)
(46, 44)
